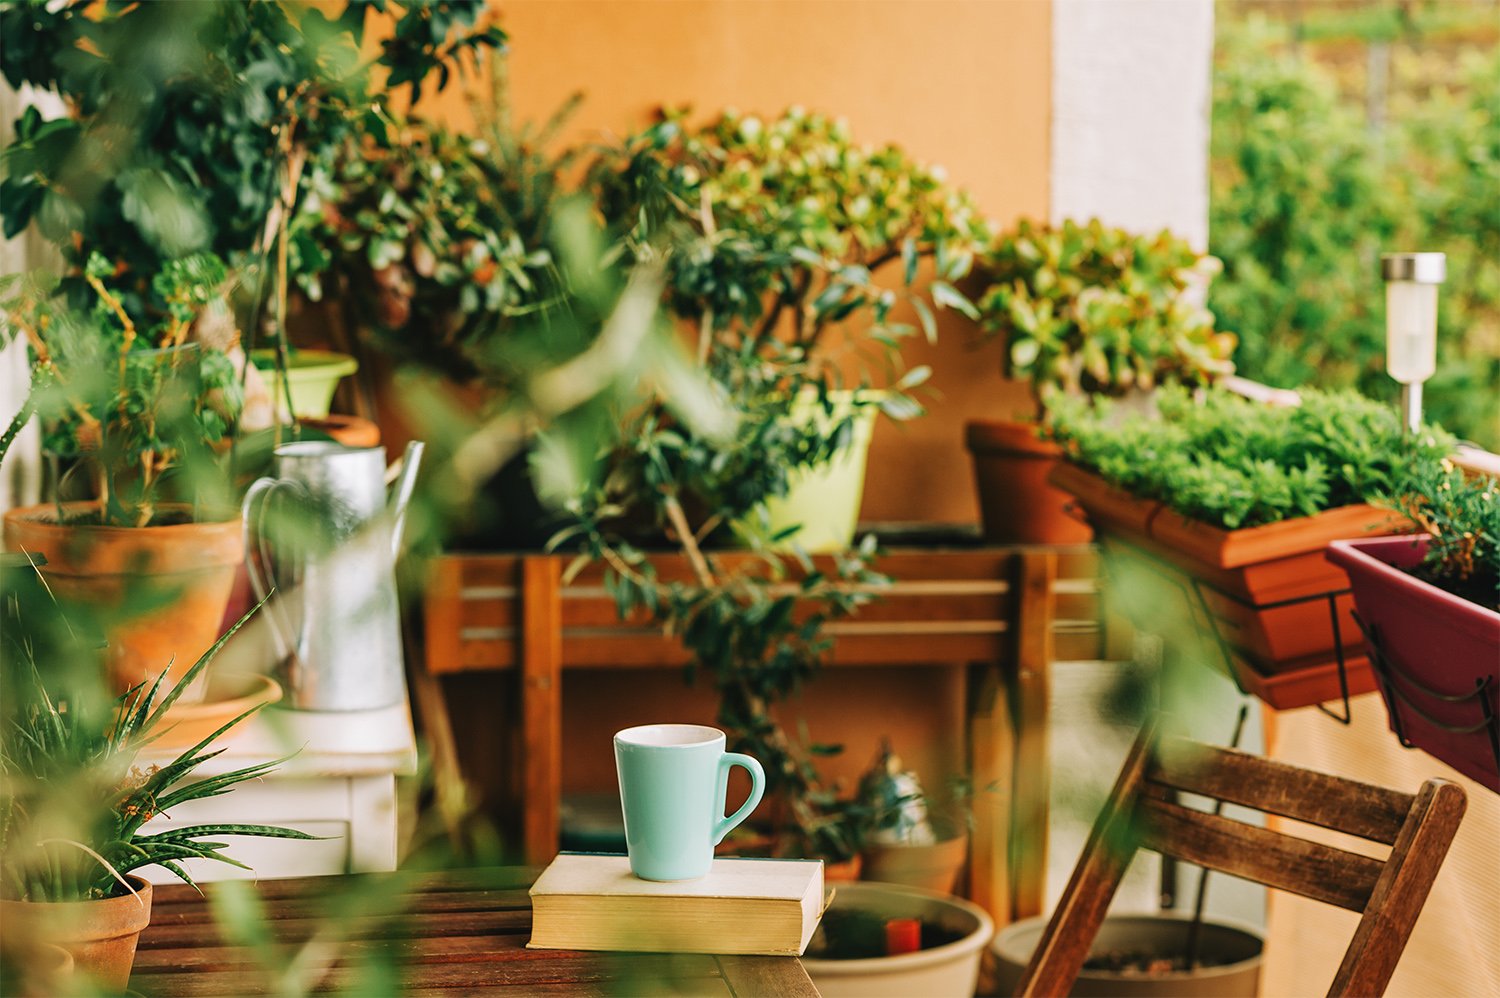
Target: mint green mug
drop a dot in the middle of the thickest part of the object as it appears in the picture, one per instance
(673, 782)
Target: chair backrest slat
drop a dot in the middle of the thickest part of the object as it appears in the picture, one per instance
(1286, 862)
(1361, 809)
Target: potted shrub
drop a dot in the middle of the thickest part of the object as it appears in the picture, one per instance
(1430, 608)
(906, 842)
(139, 412)
(1232, 502)
(72, 801)
(879, 940)
(1083, 309)
(775, 231)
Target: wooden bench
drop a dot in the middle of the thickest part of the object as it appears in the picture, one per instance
(1005, 612)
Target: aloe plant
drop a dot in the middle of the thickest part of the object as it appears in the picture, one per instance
(73, 799)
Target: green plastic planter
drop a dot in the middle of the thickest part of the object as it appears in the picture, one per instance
(314, 374)
(824, 500)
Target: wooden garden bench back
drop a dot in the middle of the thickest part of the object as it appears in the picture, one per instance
(1142, 812)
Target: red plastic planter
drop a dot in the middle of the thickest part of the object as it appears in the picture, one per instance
(1438, 654)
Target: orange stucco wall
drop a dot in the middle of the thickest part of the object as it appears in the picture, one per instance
(962, 83)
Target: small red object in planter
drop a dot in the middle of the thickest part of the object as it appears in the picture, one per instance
(903, 935)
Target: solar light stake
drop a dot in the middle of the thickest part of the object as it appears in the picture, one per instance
(1411, 290)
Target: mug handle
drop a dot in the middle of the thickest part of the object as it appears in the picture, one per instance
(723, 826)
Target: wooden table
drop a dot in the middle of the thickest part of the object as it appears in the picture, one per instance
(456, 933)
(1005, 612)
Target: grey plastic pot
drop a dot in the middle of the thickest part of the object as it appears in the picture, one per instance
(1237, 977)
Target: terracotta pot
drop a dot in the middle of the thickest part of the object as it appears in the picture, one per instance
(931, 867)
(843, 871)
(1017, 503)
(1439, 654)
(100, 935)
(184, 571)
(1237, 951)
(351, 431)
(1256, 589)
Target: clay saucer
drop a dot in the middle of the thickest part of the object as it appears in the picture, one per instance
(229, 694)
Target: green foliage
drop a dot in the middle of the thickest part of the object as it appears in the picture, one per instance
(72, 797)
(1305, 196)
(139, 410)
(788, 219)
(1233, 463)
(1087, 308)
(1461, 516)
(182, 117)
(770, 234)
(434, 242)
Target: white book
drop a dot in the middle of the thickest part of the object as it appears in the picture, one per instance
(586, 901)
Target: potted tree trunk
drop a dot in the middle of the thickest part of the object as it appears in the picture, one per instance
(1224, 508)
(1083, 309)
(1430, 609)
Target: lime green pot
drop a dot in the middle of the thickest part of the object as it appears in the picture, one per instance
(824, 500)
(313, 374)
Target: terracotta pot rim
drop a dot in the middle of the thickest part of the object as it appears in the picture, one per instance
(94, 549)
(137, 909)
(1014, 437)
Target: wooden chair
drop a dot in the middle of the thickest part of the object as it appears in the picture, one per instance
(1142, 813)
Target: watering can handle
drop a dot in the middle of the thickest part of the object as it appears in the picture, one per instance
(406, 481)
(254, 539)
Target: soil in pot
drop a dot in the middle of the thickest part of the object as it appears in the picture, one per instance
(1017, 503)
(100, 935)
(1143, 956)
(164, 587)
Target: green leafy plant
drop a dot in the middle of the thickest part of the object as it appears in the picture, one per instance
(1089, 308)
(1232, 462)
(140, 409)
(1311, 181)
(434, 243)
(73, 799)
(771, 235)
(187, 124)
(1461, 516)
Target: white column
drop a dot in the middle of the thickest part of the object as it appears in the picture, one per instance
(1130, 113)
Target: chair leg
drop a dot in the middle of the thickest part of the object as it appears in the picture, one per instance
(1065, 944)
(1401, 891)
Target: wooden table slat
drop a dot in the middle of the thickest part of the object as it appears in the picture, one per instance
(463, 932)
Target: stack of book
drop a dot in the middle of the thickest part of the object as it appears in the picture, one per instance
(584, 901)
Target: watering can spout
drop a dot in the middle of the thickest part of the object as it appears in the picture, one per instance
(406, 481)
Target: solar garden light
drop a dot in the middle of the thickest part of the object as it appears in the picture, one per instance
(1411, 300)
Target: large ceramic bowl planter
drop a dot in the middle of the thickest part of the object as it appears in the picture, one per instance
(313, 375)
(101, 935)
(1017, 502)
(1275, 610)
(1236, 953)
(947, 971)
(181, 572)
(1437, 655)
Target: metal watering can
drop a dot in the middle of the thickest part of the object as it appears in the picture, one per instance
(337, 533)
